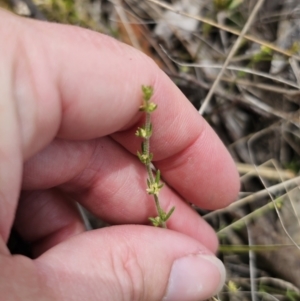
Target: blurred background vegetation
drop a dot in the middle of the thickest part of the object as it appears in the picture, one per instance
(253, 105)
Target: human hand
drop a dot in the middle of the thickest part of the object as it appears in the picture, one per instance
(69, 109)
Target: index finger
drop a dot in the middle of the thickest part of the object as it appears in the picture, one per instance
(102, 91)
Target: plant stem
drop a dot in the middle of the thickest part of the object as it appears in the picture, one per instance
(149, 169)
(159, 210)
(153, 181)
(147, 147)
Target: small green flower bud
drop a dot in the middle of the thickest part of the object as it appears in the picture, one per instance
(154, 188)
(156, 221)
(151, 107)
(148, 107)
(145, 158)
(141, 132)
(147, 92)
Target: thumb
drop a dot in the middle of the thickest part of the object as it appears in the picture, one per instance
(132, 263)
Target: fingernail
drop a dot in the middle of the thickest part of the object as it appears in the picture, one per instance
(195, 278)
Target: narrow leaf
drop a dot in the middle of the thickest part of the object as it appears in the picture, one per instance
(157, 177)
(169, 213)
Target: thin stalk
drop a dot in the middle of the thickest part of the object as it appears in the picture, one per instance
(153, 181)
(147, 146)
(159, 211)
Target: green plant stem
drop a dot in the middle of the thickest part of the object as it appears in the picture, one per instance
(153, 181)
(159, 210)
(147, 146)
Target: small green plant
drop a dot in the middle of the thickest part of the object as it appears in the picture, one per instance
(154, 185)
(265, 54)
(232, 287)
(227, 4)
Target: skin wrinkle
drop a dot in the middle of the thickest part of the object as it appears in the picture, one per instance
(125, 183)
(136, 276)
(81, 170)
(104, 203)
(93, 182)
(59, 151)
(128, 264)
(42, 207)
(43, 244)
(77, 179)
(178, 155)
(114, 259)
(85, 180)
(129, 288)
(123, 206)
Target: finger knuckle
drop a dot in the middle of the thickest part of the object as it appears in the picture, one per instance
(130, 276)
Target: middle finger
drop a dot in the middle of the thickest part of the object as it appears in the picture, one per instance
(111, 183)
